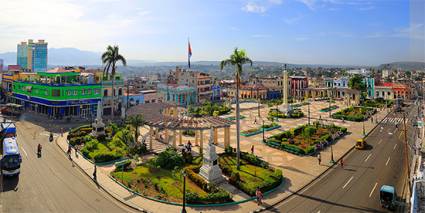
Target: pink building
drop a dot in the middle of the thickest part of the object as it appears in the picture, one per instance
(298, 86)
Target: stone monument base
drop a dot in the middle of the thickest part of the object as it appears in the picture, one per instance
(286, 108)
(212, 174)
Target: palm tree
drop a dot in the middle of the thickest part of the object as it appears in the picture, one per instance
(136, 121)
(237, 59)
(110, 58)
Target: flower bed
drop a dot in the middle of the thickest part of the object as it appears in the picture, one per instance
(253, 173)
(117, 144)
(153, 180)
(234, 118)
(356, 114)
(327, 109)
(377, 103)
(275, 113)
(210, 109)
(305, 139)
(255, 131)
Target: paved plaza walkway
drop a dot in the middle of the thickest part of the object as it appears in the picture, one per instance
(297, 171)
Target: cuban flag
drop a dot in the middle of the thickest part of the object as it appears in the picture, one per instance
(189, 53)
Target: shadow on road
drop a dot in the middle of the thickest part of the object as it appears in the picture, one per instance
(10, 183)
(365, 209)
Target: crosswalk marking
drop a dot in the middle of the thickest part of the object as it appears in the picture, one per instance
(393, 120)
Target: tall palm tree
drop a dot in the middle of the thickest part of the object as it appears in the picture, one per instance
(237, 59)
(136, 121)
(110, 58)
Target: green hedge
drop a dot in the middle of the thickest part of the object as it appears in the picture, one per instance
(353, 114)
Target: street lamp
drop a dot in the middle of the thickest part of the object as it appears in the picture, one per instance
(309, 112)
(330, 100)
(184, 191)
(264, 140)
(332, 161)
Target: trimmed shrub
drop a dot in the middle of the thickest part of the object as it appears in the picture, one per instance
(169, 159)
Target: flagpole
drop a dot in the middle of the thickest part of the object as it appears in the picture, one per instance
(189, 52)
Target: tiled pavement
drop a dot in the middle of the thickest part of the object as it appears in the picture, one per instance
(297, 170)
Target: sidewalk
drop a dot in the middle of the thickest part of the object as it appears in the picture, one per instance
(297, 171)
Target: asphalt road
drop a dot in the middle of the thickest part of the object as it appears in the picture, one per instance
(355, 187)
(50, 183)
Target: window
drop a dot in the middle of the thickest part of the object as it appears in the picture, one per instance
(83, 91)
(69, 92)
(56, 93)
(75, 92)
(96, 91)
(105, 93)
(88, 91)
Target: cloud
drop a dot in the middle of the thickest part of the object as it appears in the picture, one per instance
(260, 6)
(69, 23)
(309, 3)
(363, 5)
(251, 7)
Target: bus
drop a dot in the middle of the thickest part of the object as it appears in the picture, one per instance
(10, 158)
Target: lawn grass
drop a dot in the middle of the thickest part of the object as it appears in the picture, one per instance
(157, 183)
(251, 176)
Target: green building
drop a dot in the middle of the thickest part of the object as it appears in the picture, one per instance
(59, 94)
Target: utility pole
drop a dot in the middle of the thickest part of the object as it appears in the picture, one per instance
(406, 152)
(308, 112)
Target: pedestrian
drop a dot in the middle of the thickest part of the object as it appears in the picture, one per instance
(189, 146)
(61, 131)
(69, 151)
(255, 120)
(371, 119)
(342, 162)
(252, 149)
(319, 158)
(259, 196)
(76, 151)
(94, 173)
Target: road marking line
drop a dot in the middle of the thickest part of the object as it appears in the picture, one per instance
(395, 146)
(390, 133)
(387, 161)
(351, 178)
(367, 158)
(379, 142)
(371, 192)
(318, 211)
(23, 150)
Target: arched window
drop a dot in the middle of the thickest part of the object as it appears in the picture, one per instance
(119, 91)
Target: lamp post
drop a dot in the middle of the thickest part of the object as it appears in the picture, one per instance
(264, 140)
(332, 161)
(309, 112)
(184, 192)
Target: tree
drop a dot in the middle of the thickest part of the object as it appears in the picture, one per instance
(110, 58)
(136, 121)
(237, 59)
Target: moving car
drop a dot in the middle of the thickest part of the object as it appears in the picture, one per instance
(361, 144)
(387, 197)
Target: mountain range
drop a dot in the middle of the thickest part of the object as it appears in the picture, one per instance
(74, 56)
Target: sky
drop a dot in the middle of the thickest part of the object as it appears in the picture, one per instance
(357, 32)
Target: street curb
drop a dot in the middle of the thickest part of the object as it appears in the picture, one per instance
(110, 194)
(321, 174)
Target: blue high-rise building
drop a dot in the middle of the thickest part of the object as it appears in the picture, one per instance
(32, 56)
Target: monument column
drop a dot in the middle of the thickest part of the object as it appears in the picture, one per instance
(215, 136)
(226, 137)
(180, 137)
(202, 141)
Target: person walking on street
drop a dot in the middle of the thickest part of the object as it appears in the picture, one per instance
(189, 146)
(259, 196)
(342, 163)
(319, 158)
(252, 149)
